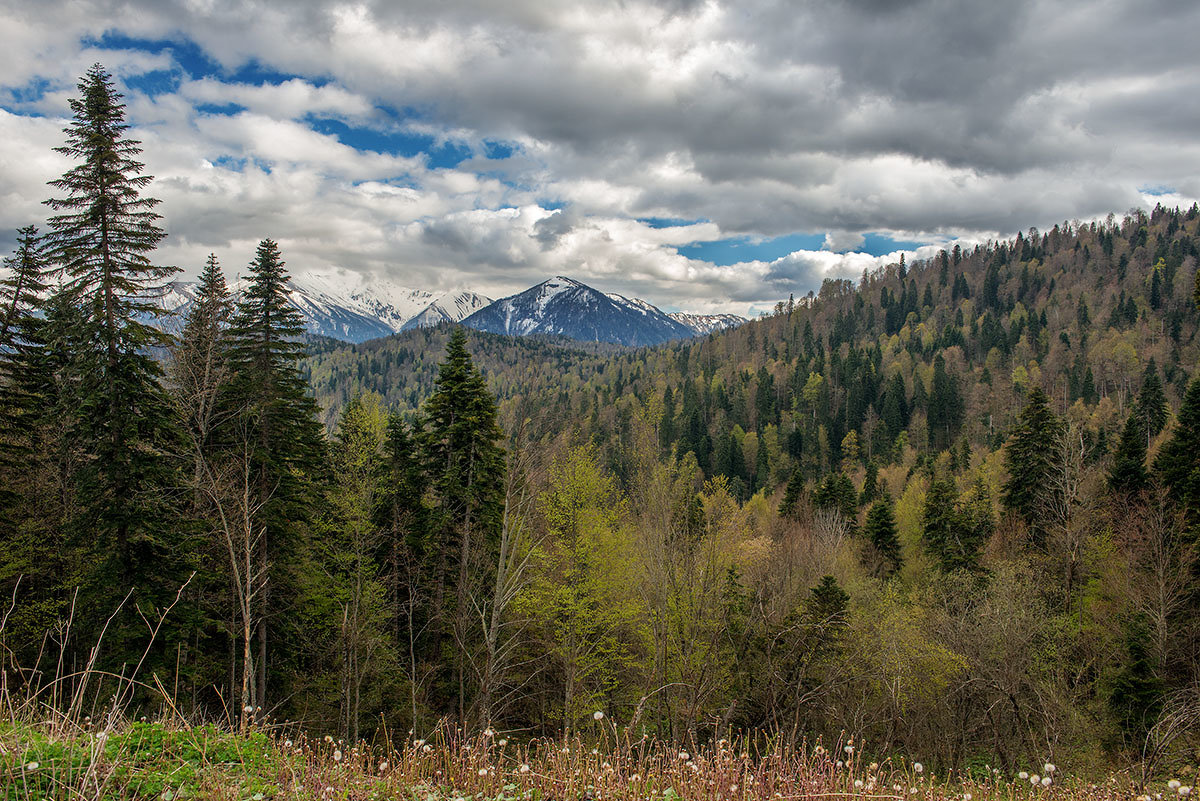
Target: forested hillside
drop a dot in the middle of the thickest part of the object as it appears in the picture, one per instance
(950, 511)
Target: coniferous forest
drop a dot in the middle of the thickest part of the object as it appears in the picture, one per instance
(951, 508)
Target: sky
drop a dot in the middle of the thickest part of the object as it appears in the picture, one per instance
(705, 156)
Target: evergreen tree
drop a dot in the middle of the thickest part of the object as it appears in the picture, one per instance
(1029, 459)
(270, 411)
(955, 533)
(466, 468)
(1128, 474)
(1176, 464)
(870, 489)
(789, 507)
(828, 602)
(1135, 696)
(880, 530)
(945, 407)
(21, 291)
(101, 238)
(21, 287)
(1151, 409)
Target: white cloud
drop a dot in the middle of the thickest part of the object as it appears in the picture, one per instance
(759, 118)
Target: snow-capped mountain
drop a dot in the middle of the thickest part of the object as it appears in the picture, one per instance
(345, 306)
(449, 308)
(707, 323)
(565, 307)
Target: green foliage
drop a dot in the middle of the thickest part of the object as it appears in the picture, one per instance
(1029, 459)
(880, 530)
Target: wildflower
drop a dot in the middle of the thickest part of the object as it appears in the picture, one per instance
(483, 771)
(1023, 775)
(849, 749)
(918, 767)
(1049, 768)
(248, 709)
(425, 749)
(1035, 779)
(684, 755)
(503, 742)
(524, 769)
(383, 766)
(32, 765)
(287, 743)
(328, 738)
(597, 715)
(1174, 784)
(1046, 781)
(337, 755)
(1185, 790)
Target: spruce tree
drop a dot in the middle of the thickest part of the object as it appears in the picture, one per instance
(21, 291)
(1151, 408)
(1128, 475)
(1177, 465)
(273, 419)
(102, 238)
(789, 507)
(880, 530)
(1029, 459)
(465, 463)
(21, 288)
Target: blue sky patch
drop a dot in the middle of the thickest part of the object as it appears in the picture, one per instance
(724, 252)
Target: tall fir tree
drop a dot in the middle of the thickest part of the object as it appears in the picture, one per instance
(465, 463)
(880, 530)
(21, 293)
(269, 408)
(1177, 465)
(102, 238)
(1029, 459)
(1151, 408)
(1128, 475)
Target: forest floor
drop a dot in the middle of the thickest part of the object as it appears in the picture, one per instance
(54, 759)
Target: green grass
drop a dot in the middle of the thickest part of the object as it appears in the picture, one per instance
(55, 759)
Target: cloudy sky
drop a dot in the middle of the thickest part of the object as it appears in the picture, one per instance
(702, 155)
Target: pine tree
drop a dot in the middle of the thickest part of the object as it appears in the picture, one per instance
(1151, 408)
(21, 293)
(1128, 474)
(200, 366)
(1029, 459)
(880, 530)
(1177, 465)
(1135, 697)
(101, 239)
(789, 507)
(466, 468)
(270, 412)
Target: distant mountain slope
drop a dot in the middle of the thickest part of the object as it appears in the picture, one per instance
(449, 308)
(565, 307)
(707, 323)
(345, 307)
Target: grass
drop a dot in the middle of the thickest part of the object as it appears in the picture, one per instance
(169, 760)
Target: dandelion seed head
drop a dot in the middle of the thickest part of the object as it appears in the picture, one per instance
(1046, 781)
(1174, 784)
(1035, 779)
(918, 767)
(1023, 775)
(1049, 768)
(32, 765)
(337, 755)
(523, 769)
(597, 715)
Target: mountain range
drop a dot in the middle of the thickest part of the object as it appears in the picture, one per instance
(346, 307)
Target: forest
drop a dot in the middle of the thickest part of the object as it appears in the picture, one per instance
(950, 509)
